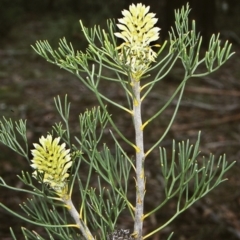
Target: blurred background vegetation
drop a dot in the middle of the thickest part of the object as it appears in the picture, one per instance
(62, 16)
(28, 85)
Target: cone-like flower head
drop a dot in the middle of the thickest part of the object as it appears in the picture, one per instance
(137, 31)
(53, 160)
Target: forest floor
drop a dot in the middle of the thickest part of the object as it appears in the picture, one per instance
(210, 104)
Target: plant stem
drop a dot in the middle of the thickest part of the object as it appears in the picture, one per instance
(140, 178)
(75, 215)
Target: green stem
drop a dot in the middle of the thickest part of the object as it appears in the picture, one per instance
(182, 86)
(164, 225)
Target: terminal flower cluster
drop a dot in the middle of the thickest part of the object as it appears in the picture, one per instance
(137, 31)
(53, 161)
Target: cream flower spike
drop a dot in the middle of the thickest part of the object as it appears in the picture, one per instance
(138, 31)
(53, 160)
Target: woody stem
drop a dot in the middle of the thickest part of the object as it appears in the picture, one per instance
(140, 178)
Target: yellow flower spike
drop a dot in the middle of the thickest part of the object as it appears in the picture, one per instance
(138, 31)
(53, 160)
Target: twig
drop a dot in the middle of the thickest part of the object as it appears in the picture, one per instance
(215, 121)
(213, 91)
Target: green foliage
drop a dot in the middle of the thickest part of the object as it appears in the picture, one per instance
(10, 133)
(186, 177)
